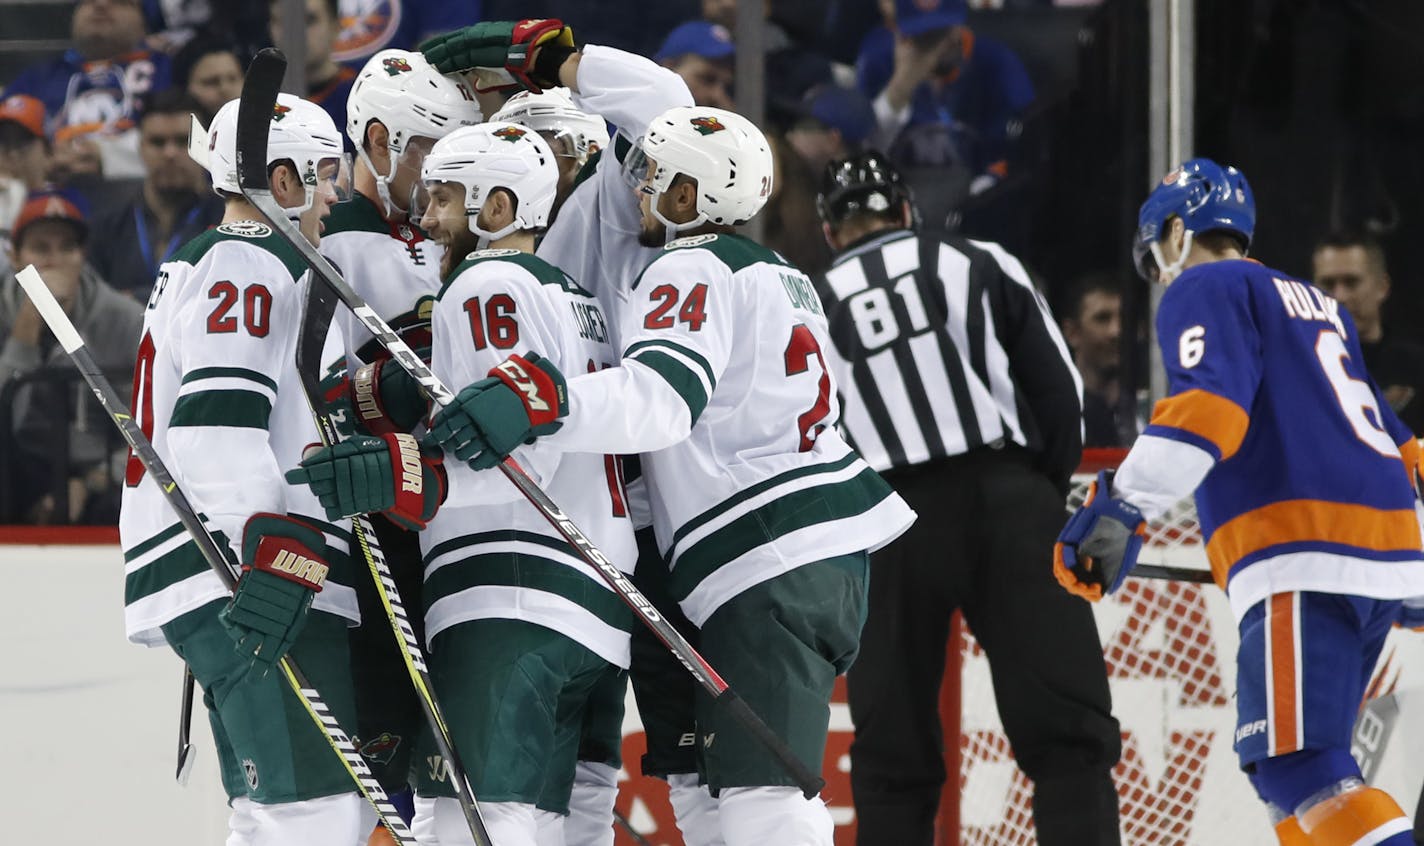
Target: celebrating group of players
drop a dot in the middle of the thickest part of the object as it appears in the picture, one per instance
(608, 329)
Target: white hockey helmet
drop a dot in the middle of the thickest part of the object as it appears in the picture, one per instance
(552, 110)
(413, 99)
(497, 155)
(300, 131)
(723, 151)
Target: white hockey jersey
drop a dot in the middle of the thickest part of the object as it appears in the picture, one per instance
(393, 266)
(488, 552)
(724, 391)
(595, 237)
(216, 390)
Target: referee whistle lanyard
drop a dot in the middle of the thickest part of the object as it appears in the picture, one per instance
(174, 241)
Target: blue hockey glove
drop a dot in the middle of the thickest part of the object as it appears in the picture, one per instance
(283, 569)
(522, 399)
(1099, 545)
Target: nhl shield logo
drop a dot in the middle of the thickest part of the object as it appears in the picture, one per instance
(512, 134)
(279, 111)
(250, 770)
(396, 66)
(708, 125)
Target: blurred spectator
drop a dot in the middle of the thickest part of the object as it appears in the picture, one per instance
(943, 95)
(208, 68)
(92, 91)
(171, 206)
(50, 234)
(703, 55)
(173, 22)
(833, 123)
(1092, 326)
(24, 159)
(793, 228)
(791, 69)
(370, 26)
(1350, 266)
(328, 83)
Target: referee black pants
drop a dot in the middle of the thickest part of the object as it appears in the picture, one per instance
(983, 544)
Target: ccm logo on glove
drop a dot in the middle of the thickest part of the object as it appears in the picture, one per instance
(512, 371)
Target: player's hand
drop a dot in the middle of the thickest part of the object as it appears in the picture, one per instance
(522, 399)
(387, 399)
(283, 569)
(524, 54)
(1099, 545)
(390, 474)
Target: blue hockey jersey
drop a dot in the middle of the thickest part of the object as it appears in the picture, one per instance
(1301, 464)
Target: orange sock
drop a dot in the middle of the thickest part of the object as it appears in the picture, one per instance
(1289, 833)
(1347, 819)
(381, 837)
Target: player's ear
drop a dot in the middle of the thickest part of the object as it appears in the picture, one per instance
(830, 236)
(499, 209)
(375, 144)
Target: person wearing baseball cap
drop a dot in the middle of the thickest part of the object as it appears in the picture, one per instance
(24, 153)
(49, 233)
(832, 123)
(943, 95)
(702, 53)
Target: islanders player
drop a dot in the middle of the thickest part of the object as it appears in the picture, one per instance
(1304, 485)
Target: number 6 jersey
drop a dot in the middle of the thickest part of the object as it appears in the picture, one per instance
(1301, 464)
(216, 390)
(724, 391)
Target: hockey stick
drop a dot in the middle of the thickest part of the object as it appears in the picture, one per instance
(1173, 574)
(268, 66)
(628, 829)
(185, 728)
(316, 322)
(143, 448)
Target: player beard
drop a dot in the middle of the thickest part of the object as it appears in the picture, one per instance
(652, 232)
(461, 244)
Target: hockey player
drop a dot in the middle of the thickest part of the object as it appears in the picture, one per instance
(763, 513)
(521, 630)
(596, 240)
(398, 108)
(1302, 477)
(217, 391)
(573, 135)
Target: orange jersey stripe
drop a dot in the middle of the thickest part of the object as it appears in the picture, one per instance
(1285, 674)
(1206, 415)
(1344, 820)
(1296, 520)
(1409, 452)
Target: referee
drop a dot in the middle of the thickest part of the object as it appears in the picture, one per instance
(959, 390)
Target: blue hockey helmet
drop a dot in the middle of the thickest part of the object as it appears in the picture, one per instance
(1207, 197)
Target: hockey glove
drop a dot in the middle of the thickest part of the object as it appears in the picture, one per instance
(522, 399)
(524, 54)
(390, 474)
(1099, 545)
(387, 399)
(283, 569)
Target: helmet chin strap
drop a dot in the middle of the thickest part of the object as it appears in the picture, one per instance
(487, 237)
(383, 183)
(674, 229)
(1169, 272)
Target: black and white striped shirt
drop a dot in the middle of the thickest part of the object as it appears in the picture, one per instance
(943, 345)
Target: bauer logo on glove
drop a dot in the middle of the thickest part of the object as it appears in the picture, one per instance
(1099, 545)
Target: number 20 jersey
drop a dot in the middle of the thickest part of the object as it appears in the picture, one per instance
(218, 393)
(1308, 490)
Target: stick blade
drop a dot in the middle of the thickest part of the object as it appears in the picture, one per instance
(254, 116)
(49, 308)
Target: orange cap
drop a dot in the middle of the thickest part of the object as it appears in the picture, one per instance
(47, 206)
(26, 111)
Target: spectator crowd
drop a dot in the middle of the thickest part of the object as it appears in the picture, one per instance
(97, 189)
